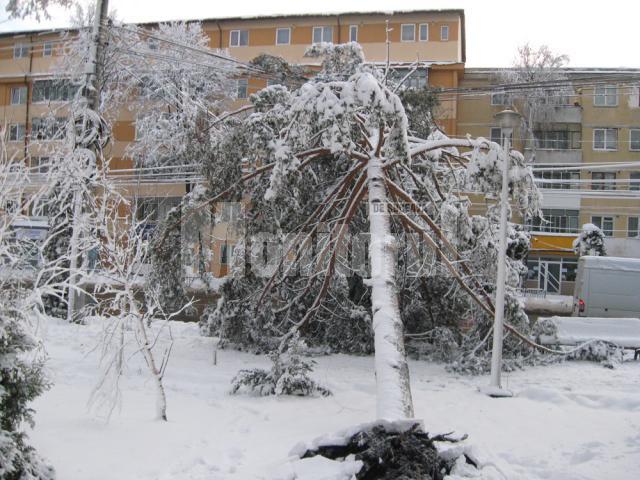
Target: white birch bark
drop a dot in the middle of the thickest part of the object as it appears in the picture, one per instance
(145, 347)
(392, 371)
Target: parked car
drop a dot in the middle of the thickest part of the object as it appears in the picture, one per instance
(607, 287)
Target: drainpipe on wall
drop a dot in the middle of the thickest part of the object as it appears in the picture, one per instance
(219, 35)
(28, 103)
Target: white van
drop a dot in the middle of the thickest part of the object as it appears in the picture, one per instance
(607, 287)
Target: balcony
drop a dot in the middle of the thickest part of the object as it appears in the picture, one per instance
(563, 114)
(559, 156)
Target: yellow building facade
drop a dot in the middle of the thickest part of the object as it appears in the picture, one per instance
(598, 124)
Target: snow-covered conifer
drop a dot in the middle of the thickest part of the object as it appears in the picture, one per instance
(590, 241)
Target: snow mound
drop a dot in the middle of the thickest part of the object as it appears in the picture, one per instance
(318, 468)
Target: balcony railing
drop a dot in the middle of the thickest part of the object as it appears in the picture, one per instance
(555, 156)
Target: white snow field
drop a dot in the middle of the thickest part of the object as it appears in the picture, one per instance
(568, 421)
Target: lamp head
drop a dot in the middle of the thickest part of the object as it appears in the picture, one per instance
(508, 119)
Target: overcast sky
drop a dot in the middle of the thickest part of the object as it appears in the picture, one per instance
(593, 34)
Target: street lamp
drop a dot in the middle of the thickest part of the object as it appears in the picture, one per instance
(508, 120)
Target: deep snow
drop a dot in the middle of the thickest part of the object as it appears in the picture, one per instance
(568, 421)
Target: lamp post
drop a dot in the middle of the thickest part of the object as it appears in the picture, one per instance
(507, 120)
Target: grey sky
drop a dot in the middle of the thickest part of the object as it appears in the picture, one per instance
(593, 34)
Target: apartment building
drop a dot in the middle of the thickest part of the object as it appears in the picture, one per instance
(598, 123)
(583, 148)
(431, 41)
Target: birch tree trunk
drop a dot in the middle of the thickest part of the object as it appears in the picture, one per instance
(145, 347)
(392, 371)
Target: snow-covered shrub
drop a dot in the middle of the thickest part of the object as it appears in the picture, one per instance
(21, 380)
(590, 241)
(605, 353)
(289, 375)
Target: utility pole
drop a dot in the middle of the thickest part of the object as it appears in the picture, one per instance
(508, 120)
(94, 74)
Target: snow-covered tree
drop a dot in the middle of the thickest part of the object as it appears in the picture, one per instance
(182, 86)
(339, 157)
(539, 85)
(38, 9)
(590, 241)
(22, 377)
(128, 311)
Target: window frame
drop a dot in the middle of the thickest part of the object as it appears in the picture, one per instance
(19, 127)
(21, 88)
(52, 129)
(426, 26)
(402, 27)
(47, 47)
(37, 166)
(604, 177)
(631, 141)
(600, 224)
(353, 28)
(282, 29)
(556, 220)
(443, 28)
(245, 82)
(21, 50)
(500, 94)
(637, 227)
(239, 40)
(322, 29)
(604, 95)
(605, 141)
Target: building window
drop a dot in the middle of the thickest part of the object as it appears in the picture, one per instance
(557, 221)
(47, 49)
(423, 34)
(18, 95)
(353, 33)
(603, 223)
(444, 33)
(560, 179)
(226, 253)
(634, 139)
(605, 138)
(603, 181)
(283, 36)
(154, 209)
(20, 50)
(322, 35)
(500, 98)
(48, 128)
(53, 91)
(634, 181)
(408, 33)
(605, 96)
(558, 140)
(39, 164)
(239, 38)
(243, 88)
(632, 227)
(17, 132)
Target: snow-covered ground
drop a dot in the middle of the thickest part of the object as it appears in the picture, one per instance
(569, 421)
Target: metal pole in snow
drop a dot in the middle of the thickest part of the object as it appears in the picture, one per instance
(508, 120)
(496, 353)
